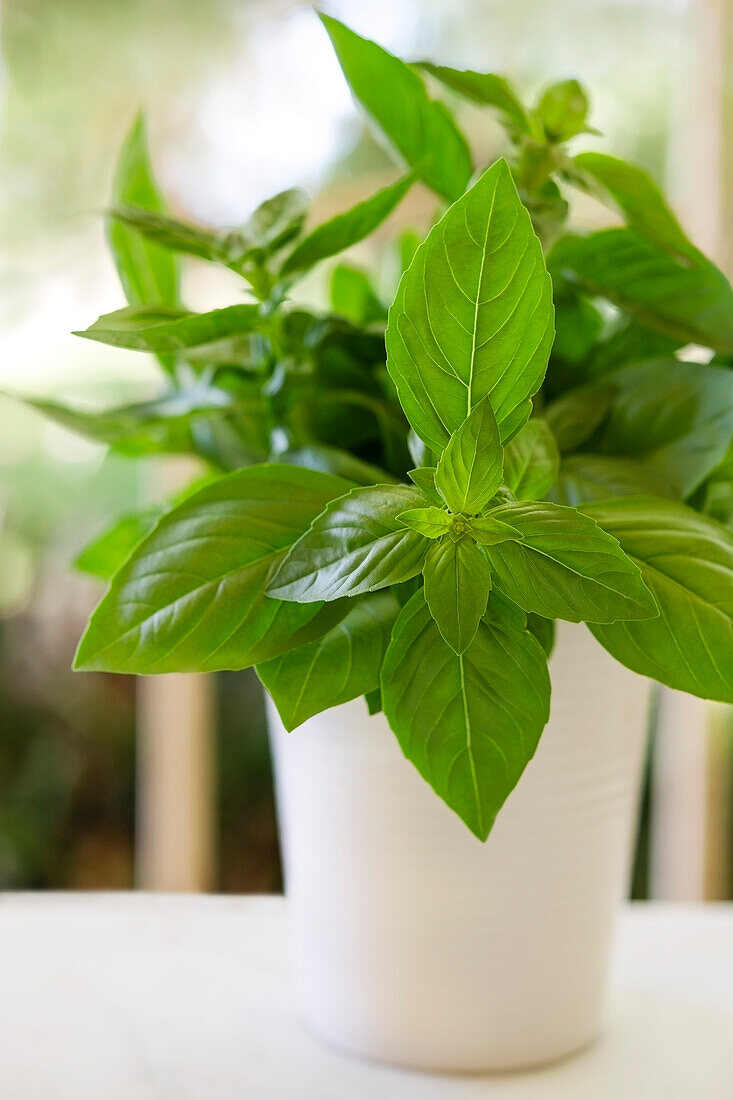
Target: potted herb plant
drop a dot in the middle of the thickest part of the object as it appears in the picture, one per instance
(570, 462)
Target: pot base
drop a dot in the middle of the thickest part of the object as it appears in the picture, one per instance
(418, 945)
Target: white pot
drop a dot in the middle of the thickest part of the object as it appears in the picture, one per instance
(416, 943)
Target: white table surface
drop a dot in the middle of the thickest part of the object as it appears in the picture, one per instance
(131, 997)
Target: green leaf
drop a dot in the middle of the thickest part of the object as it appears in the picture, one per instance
(163, 424)
(373, 701)
(692, 303)
(345, 229)
(424, 478)
(488, 90)
(489, 531)
(356, 545)
(468, 723)
(352, 296)
(675, 418)
(457, 586)
(470, 469)
(584, 477)
(575, 416)
(627, 342)
(332, 460)
(433, 523)
(151, 330)
(422, 130)
(104, 555)
(563, 110)
(340, 666)
(272, 225)
(192, 595)
(473, 315)
(566, 567)
(148, 273)
(531, 461)
(544, 632)
(630, 190)
(687, 561)
(275, 222)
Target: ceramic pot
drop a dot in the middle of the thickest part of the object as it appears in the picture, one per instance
(417, 944)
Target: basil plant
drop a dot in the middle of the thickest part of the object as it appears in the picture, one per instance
(570, 455)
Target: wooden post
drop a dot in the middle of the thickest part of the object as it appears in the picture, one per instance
(176, 720)
(689, 844)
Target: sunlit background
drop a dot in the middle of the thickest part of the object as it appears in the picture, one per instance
(244, 99)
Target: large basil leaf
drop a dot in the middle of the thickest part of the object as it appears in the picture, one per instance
(357, 545)
(691, 302)
(345, 230)
(687, 562)
(148, 273)
(143, 329)
(637, 196)
(575, 416)
(488, 90)
(470, 469)
(531, 461)
(191, 596)
(342, 665)
(584, 477)
(566, 567)
(627, 342)
(674, 417)
(422, 130)
(457, 586)
(473, 315)
(468, 723)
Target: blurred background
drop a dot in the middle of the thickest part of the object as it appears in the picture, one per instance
(105, 783)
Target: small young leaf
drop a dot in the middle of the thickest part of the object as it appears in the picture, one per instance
(272, 225)
(457, 586)
(544, 632)
(149, 274)
(352, 296)
(345, 229)
(563, 110)
(431, 522)
(488, 90)
(489, 531)
(687, 561)
(468, 723)
(422, 130)
(424, 478)
(191, 596)
(151, 330)
(340, 666)
(356, 545)
(473, 315)
(566, 567)
(104, 555)
(531, 461)
(470, 469)
(373, 701)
